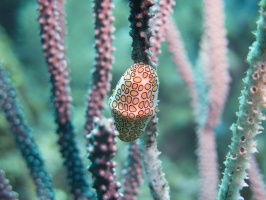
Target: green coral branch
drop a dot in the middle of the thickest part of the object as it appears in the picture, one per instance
(251, 103)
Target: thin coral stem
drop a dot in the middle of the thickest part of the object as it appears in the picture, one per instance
(53, 33)
(249, 118)
(24, 139)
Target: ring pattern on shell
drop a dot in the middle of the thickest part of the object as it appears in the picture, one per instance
(134, 101)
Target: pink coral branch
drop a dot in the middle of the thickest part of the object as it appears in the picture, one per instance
(214, 63)
(214, 44)
(183, 64)
(256, 178)
(165, 9)
(207, 163)
(216, 36)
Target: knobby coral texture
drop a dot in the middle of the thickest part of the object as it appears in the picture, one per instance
(250, 116)
(6, 191)
(140, 30)
(24, 137)
(53, 33)
(101, 151)
(135, 110)
(99, 131)
(101, 75)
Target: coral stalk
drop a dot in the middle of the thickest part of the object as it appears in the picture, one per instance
(53, 33)
(101, 151)
(251, 103)
(215, 46)
(24, 139)
(101, 76)
(153, 166)
(99, 131)
(140, 30)
(6, 192)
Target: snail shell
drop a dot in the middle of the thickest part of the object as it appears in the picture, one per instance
(134, 101)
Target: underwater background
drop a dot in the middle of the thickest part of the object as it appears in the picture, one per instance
(21, 51)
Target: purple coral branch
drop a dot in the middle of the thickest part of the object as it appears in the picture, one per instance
(24, 139)
(6, 191)
(53, 33)
(101, 76)
(100, 132)
(133, 173)
(217, 51)
(101, 151)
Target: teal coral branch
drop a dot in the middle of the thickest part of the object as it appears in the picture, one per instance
(251, 103)
(53, 33)
(24, 139)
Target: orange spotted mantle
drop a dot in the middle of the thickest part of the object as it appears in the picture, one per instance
(134, 101)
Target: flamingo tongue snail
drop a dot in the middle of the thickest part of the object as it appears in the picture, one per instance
(134, 101)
